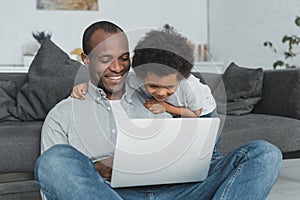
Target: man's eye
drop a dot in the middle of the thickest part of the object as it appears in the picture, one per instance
(125, 58)
(104, 61)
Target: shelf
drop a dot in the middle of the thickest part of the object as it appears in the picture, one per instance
(208, 67)
(13, 69)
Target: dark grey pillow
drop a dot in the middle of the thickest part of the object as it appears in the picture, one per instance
(50, 79)
(281, 93)
(243, 88)
(8, 93)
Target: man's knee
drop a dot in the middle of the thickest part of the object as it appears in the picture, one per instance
(52, 160)
(260, 148)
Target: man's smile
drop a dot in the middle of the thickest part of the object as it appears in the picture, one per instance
(115, 77)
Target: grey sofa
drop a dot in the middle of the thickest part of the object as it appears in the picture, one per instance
(275, 118)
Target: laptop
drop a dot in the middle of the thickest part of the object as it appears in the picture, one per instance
(163, 151)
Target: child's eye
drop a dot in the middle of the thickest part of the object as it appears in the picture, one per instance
(153, 86)
(170, 87)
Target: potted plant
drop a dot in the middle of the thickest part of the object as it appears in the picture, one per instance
(292, 41)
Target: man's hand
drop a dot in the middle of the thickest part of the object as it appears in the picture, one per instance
(104, 167)
(156, 106)
(79, 91)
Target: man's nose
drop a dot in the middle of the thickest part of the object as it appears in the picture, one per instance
(116, 66)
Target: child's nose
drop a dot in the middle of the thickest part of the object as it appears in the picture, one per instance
(161, 92)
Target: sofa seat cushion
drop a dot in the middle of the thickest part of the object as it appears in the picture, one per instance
(20, 190)
(20, 145)
(281, 131)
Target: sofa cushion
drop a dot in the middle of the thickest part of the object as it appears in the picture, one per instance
(20, 190)
(281, 93)
(19, 79)
(281, 131)
(8, 93)
(19, 145)
(243, 88)
(50, 79)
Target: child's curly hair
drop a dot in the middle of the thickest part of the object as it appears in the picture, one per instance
(165, 50)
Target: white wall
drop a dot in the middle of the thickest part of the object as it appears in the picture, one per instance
(20, 17)
(238, 29)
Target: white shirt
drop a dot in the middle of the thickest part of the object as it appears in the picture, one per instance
(191, 93)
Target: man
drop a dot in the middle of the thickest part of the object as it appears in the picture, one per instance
(78, 135)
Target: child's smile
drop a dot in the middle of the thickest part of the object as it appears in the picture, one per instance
(160, 88)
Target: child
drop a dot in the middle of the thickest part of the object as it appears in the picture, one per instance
(162, 63)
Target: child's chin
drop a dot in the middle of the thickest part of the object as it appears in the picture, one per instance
(160, 99)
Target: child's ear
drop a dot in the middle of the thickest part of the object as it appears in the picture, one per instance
(85, 59)
(145, 79)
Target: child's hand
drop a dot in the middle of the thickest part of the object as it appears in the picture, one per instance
(155, 106)
(79, 91)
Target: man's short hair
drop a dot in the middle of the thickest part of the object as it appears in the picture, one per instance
(107, 26)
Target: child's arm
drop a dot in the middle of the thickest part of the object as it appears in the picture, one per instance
(79, 91)
(162, 106)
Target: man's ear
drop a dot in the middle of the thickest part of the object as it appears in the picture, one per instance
(85, 59)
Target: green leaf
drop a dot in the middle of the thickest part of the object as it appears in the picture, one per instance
(297, 21)
(292, 41)
(296, 40)
(285, 38)
(290, 66)
(289, 54)
(278, 63)
(268, 43)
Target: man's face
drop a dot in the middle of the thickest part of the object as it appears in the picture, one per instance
(160, 88)
(109, 62)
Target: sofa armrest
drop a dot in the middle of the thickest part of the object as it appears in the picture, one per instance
(280, 93)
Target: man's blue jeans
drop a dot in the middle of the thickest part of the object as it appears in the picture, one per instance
(249, 172)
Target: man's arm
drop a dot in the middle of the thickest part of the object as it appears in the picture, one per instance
(54, 130)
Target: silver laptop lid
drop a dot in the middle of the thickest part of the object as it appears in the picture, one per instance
(152, 151)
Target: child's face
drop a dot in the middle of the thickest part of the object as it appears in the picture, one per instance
(160, 88)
